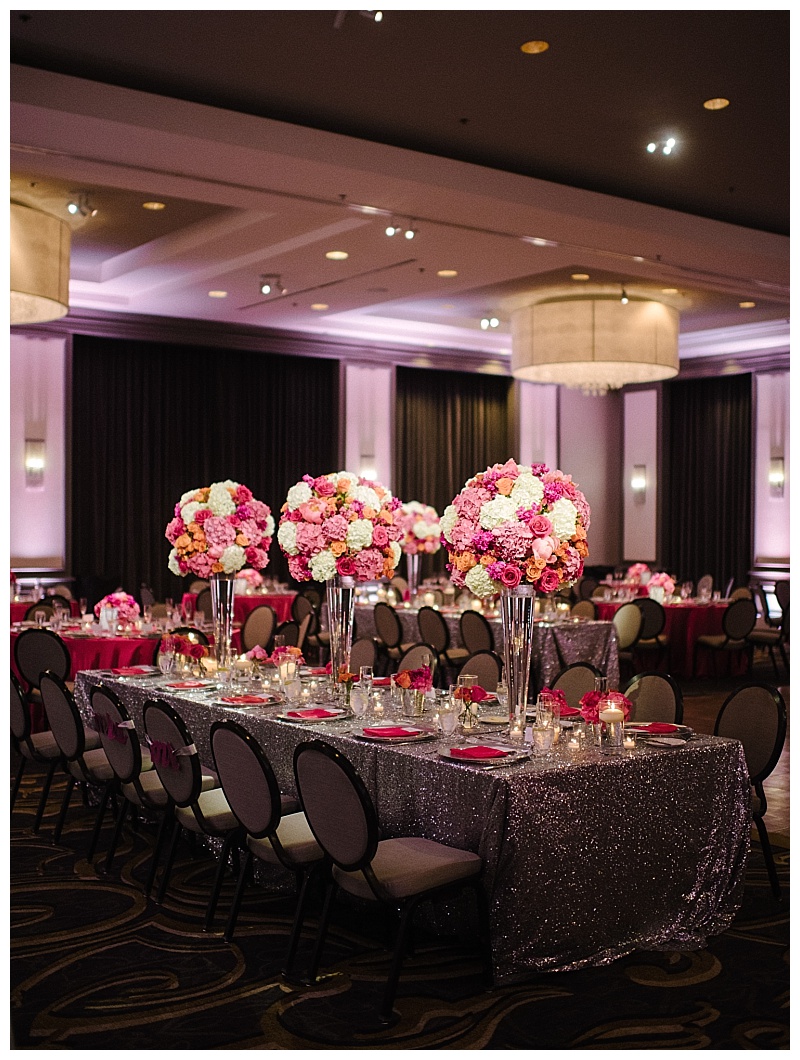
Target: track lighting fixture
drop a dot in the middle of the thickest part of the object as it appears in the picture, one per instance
(489, 322)
(271, 284)
(373, 16)
(624, 297)
(666, 146)
(80, 205)
(395, 229)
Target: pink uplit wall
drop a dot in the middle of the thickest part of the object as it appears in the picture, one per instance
(37, 516)
(772, 527)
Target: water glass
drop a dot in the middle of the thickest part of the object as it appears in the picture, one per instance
(365, 678)
(447, 721)
(544, 710)
(41, 617)
(166, 661)
(542, 738)
(358, 702)
(82, 604)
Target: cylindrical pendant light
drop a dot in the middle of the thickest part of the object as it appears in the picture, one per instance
(39, 266)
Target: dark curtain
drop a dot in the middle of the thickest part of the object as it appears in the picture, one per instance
(152, 421)
(448, 426)
(707, 517)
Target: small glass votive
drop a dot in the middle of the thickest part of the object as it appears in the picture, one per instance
(629, 741)
(542, 738)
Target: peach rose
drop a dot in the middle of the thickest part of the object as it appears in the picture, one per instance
(183, 542)
(369, 513)
(338, 548)
(464, 561)
(242, 540)
(505, 486)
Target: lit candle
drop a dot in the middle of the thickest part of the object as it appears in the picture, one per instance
(612, 715)
(574, 744)
(377, 704)
(629, 743)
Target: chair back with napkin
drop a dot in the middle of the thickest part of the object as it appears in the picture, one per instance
(173, 752)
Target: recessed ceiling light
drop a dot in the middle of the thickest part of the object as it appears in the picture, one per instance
(217, 294)
(669, 290)
(534, 47)
(638, 257)
(153, 205)
(319, 306)
(337, 255)
(747, 305)
(580, 276)
(447, 273)
(717, 103)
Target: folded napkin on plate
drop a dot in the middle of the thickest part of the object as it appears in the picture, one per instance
(477, 752)
(318, 671)
(243, 699)
(569, 712)
(393, 731)
(655, 726)
(381, 682)
(312, 712)
(132, 671)
(187, 684)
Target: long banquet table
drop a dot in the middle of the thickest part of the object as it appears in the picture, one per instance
(586, 858)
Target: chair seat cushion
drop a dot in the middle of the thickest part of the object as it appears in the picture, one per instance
(152, 788)
(411, 865)
(91, 738)
(217, 815)
(765, 637)
(456, 653)
(289, 804)
(44, 744)
(296, 839)
(653, 642)
(719, 640)
(97, 766)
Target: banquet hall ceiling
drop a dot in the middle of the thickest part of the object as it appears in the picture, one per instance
(516, 170)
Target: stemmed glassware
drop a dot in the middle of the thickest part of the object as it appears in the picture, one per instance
(365, 679)
(82, 604)
(166, 656)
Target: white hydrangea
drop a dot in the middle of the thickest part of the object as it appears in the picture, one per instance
(220, 501)
(527, 491)
(230, 484)
(270, 527)
(397, 552)
(188, 497)
(323, 566)
(424, 530)
(188, 511)
(359, 534)
(299, 494)
(287, 538)
(563, 515)
(448, 520)
(172, 562)
(232, 559)
(479, 582)
(496, 511)
(368, 497)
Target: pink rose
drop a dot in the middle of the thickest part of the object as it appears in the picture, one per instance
(540, 525)
(242, 495)
(511, 576)
(298, 568)
(543, 548)
(548, 581)
(256, 557)
(201, 515)
(345, 565)
(380, 538)
(324, 487)
(312, 511)
(175, 527)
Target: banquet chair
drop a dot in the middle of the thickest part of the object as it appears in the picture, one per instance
(258, 628)
(655, 697)
(744, 592)
(584, 609)
(765, 619)
(476, 633)
(39, 747)
(416, 656)
(37, 650)
(273, 829)
(755, 714)
(487, 666)
(194, 636)
(198, 585)
(389, 634)
(46, 605)
(290, 631)
(705, 584)
(738, 621)
(770, 639)
(651, 636)
(363, 653)
(302, 607)
(147, 597)
(575, 680)
(398, 873)
(586, 587)
(82, 757)
(782, 594)
(302, 630)
(203, 604)
(196, 808)
(400, 584)
(628, 623)
(314, 595)
(158, 611)
(433, 630)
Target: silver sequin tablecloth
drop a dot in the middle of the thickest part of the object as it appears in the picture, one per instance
(555, 644)
(586, 858)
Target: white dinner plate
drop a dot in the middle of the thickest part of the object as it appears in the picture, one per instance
(511, 755)
(415, 737)
(334, 715)
(493, 719)
(665, 741)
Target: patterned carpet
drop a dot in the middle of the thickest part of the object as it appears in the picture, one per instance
(97, 966)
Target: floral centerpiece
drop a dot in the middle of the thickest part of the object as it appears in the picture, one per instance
(420, 526)
(257, 654)
(468, 697)
(590, 704)
(189, 648)
(636, 572)
(251, 577)
(557, 698)
(286, 653)
(126, 607)
(662, 580)
(420, 680)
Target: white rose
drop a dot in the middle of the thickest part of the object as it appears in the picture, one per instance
(448, 520)
(323, 566)
(527, 491)
(497, 511)
(368, 497)
(563, 515)
(220, 501)
(359, 534)
(297, 495)
(270, 527)
(172, 563)
(287, 538)
(188, 510)
(479, 582)
(232, 559)
(397, 552)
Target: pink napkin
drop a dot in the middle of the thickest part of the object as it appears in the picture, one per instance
(187, 684)
(569, 712)
(313, 712)
(477, 752)
(381, 682)
(318, 671)
(393, 731)
(244, 699)
(656, 726)
(131, 671)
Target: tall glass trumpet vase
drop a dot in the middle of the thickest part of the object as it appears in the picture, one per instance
(222, 593)
(412, 570)
(341, 597)
(516, 609)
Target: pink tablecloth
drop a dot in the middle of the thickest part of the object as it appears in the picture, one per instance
(281, 604)
(685, 623)
(102, 653)
(18, 610)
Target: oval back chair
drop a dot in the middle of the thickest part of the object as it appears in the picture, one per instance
(258, 628)
(487, 667)
(575, 681)
(655, 697)
(476, 633)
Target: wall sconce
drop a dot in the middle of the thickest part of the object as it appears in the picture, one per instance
(639, 483)
(34, 463)
(777, 477)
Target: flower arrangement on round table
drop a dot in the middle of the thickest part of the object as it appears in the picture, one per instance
(251, 577)
(126, 607)
(590, 704)
(420, 680)
(421, 528)
(340, 524)
(636, 572)
(662, 580)
(516, 524)
(218, 529)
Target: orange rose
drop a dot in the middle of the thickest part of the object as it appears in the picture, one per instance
(183, 542)
(534, 567)
(403, 679)
(243, 540)
(464, 561)
(216, 567)
(582, 548)
(580, 533)
(505, 486)
(369, 513)
(488, 559)
(338, 548)
(388, 568)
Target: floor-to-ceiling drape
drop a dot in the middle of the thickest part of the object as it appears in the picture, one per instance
(448, 426)
(153, 420)
(707, 510)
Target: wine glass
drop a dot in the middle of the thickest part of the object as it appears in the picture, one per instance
(82, 604)
(166, 657)
(365, 677)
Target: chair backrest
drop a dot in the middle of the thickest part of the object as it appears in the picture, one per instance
(782, 594)
(655, 697)
(416, 656)
(146, 595)
(400, 584)
(654, 618)
(487, 667)
(433, 629)
(739, 618)
(313, 595)
(575, 680)
(159, 611)
(64, 591)
(198, 585)
(302, 606)
(37, 650)
(173, 752)
(362, 653)
(628, 623)
(705, 584)
(290, 631)
(203, 603)
(760, 596)
(586, 587)
(756, 715)
(195, 636)
(45, 605)
(744, 592)
(248, 781)
(258, 627)
(387, 625)
(20, 715)
(117, 733)
(338, 807)
(584, 609)
(57, 598)
(62, 716)
(476, 633)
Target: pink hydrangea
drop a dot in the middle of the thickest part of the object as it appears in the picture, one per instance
(298, 568)
(257, 557)
(514, 541)
(369, 564)
(462, 534)
(310, 538)
(202, 564)
(219, 533)
(469, 502)
(335, 528)
(175, 527)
